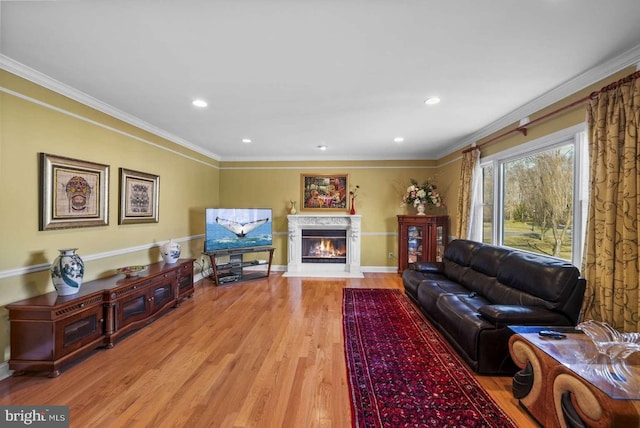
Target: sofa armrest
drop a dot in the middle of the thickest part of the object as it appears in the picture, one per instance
(521, 315)
(427, 267)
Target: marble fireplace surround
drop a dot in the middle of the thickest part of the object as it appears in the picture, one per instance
(350, 223)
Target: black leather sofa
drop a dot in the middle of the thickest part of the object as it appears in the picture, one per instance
(478, 290)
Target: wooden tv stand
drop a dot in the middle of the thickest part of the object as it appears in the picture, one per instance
(49, 331)
(230, 266)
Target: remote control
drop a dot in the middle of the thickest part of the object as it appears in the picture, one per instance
(552, 334)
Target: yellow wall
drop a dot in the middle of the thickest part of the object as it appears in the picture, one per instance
(382, 184)
(35, 120)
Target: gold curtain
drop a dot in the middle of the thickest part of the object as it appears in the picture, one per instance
(611, 252)
(469, 160)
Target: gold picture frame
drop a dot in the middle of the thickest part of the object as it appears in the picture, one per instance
(73, 193)
(324, 192)
(138, 197)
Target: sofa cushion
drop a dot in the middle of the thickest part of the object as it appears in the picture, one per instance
(431, 267)
(430, 290)
(521, 315)
(458, 315)
(545, 279)
(457, 258)
(488, 259)
(412, 279)
(481, 277)
(460, 251)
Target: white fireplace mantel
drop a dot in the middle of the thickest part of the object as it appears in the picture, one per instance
(350, 223)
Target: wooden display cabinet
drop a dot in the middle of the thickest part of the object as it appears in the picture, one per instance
(49, 331)
(421, 238)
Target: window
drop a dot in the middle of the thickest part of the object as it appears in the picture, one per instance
(534, 196)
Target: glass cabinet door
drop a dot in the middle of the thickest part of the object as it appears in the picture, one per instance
(414, 243)
(439, 243)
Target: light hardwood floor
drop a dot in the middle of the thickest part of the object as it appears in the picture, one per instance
(266, 353)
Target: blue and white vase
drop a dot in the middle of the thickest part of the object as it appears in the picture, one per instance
(67, 272)
(170, 252)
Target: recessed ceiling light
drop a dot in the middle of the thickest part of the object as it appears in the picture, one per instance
(322, 147)
(432, 101)
(246, 140)
(398, 139)
(199, 103)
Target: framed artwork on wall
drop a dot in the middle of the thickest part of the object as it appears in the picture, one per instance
(73, 193)
(138, 197)
(324, 192)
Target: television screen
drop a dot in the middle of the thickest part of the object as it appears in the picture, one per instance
(229, 228)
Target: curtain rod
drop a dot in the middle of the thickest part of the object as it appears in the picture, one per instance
(523, 128)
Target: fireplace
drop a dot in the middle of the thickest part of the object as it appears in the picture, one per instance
(324, 246)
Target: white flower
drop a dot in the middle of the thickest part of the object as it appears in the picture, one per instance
(425, 193)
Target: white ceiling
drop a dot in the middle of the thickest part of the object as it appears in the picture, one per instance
(295, 74)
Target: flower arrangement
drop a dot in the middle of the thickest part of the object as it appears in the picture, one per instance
(424, 193)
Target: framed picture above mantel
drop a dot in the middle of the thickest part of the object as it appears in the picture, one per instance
(73, 193)
(324, 192)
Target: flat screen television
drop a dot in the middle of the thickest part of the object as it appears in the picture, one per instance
(230, 228)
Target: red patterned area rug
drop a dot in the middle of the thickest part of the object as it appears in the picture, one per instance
(402, 373)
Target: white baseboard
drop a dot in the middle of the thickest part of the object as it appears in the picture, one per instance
(380, 269)
(364, 269)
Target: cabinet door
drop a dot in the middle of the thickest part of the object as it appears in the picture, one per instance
(162, 292)
(185, 280)
(414, 243)
(133, 307)
(78, 330)
(441, 241)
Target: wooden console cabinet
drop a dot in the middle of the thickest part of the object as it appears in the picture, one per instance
(232, 265)
(421, 238)
(49, 331)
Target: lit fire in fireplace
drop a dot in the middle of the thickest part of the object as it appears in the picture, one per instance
(326, 248)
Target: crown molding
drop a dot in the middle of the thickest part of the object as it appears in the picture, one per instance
(28, 73)
(570, 87)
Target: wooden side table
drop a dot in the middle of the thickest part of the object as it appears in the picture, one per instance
(561, 384)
